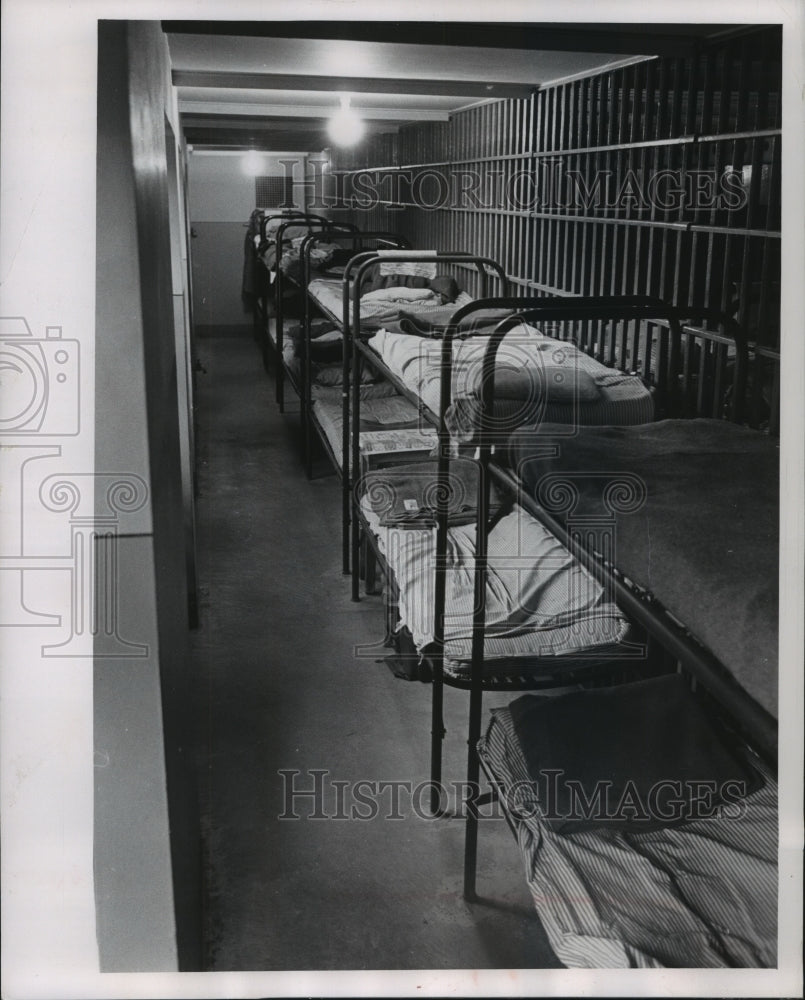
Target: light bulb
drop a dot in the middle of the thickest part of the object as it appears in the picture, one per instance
(345, 127)
(252, 163)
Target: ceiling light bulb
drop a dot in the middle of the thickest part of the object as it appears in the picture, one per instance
(345, 128)
(252, 163)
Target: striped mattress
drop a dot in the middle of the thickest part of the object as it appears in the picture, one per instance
(700, 894)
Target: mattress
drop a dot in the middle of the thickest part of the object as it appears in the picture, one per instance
(327, 379)
(327, 294)
(394, 418)
(699, 894)
(540, 601)
(700, 531)
(416, 361)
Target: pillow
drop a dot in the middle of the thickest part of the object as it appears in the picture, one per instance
(553, 383)
(636, 756)
(520, 397)
(333, 374)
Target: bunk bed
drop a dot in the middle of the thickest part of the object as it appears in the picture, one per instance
(289, 283)
(386, 414)
(265, 253)
(360, 312)
(665, 517)
(538, 636)
(547, 378)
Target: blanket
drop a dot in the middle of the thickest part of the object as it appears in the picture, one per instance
(701, 533)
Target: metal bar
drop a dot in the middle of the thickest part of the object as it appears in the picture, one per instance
(662, 141)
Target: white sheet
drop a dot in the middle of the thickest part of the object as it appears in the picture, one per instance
(540, 601)
(417, 362)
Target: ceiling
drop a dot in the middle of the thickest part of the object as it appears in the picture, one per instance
(272, 85)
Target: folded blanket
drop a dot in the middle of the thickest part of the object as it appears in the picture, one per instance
(417, 269)
(374, 279)
(407, 495)
(637, 756)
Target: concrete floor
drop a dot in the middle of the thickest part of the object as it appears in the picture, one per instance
(280, 687)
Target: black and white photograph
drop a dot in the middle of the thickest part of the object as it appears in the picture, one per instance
(403, 480)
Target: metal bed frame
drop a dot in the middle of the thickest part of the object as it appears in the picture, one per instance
(668, 354)
(569, 668)
(355, 348)
(313, 222)
(264, 291)
(357, 237)
(752, 720)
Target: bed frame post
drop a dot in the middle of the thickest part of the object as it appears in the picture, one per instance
(479, 607)
(279, 319)
(437, 734)
(304, 388)
(354, 463)
(348, 474)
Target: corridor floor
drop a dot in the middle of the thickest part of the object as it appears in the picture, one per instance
(284, 689)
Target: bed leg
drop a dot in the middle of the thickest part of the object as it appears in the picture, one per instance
(346, 495)
(355, 559)
(437, 734)
(470, 854)
(280, 388)
(370, 571)
(473, 786)
(308, 446)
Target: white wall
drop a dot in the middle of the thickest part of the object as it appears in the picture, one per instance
(222, 197)
(147, 840)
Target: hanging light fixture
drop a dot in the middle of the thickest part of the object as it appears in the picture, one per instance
(252, 163)
(345, 127)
